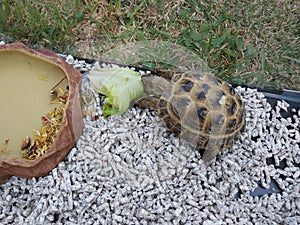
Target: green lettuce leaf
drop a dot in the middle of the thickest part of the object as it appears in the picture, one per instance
(120, 86)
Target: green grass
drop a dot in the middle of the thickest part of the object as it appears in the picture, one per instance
(244, 42)
(41, 23)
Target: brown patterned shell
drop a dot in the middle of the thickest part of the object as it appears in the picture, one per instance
(203, 110)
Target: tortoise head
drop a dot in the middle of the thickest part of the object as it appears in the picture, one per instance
(156, 85)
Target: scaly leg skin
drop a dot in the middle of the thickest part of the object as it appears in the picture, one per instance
(212, 149)
(209, 154)
(167, 74)
(149, 102)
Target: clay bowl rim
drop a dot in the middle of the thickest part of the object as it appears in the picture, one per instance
(48, 57)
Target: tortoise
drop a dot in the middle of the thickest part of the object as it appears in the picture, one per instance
(196, 106)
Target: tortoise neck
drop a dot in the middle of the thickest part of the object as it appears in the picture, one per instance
(155, 85)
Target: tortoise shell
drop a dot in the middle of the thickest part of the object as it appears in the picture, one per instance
(198, 107)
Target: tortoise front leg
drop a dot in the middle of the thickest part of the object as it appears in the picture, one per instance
(147, 102)
(167, 74)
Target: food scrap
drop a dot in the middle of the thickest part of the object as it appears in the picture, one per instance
(44, 138)
(3, 148)
(43, 77)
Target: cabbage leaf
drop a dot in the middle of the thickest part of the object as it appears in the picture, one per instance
(120, 86)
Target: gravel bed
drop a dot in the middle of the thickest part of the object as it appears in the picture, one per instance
(129, 169)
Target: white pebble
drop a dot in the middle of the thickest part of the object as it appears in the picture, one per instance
(129, 169)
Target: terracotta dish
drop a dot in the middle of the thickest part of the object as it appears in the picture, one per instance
(27, 78)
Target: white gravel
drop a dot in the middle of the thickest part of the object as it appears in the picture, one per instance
(129, 169)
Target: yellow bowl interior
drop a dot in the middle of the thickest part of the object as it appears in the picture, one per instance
(25, 82)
